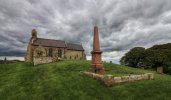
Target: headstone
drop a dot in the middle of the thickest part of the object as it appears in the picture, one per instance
(5, 60)
(160, 70)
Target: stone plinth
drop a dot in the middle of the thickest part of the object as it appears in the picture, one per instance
(42, 60)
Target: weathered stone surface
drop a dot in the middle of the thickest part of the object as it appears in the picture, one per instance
(132, 78)
(160, 70)
(42, 60)
(139, 77)
(150, 76)
(71, 54)
(98, 76)
(136, 77)
(125, 78)
(110, 79)
(39, 52)
(145, 76)
(117, 79)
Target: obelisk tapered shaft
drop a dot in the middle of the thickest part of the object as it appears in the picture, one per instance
(96, 44)
(96, 66)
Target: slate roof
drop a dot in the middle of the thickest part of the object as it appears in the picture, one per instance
(49, 43)
(57, 44)
(71, 46)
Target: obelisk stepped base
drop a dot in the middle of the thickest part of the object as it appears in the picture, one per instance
(97, 68)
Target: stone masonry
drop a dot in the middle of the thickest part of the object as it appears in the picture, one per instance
(96, 66)
(110, 80)
(40, 50)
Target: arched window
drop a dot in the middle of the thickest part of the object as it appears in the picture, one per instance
(39, 53)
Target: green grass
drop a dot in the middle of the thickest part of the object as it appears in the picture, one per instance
(62, 81)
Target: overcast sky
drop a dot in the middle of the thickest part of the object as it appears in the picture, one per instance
(123, 24)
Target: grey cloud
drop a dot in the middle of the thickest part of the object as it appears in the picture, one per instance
(123, 24)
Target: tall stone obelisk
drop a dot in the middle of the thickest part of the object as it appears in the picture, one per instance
(96, 64)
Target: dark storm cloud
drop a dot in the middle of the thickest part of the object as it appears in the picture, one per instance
(123, 24)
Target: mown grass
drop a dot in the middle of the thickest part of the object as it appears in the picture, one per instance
(62, 81)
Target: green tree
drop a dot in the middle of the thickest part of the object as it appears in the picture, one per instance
(133, 57)
(155, 58)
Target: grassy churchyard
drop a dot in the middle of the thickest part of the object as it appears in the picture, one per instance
(63, 81)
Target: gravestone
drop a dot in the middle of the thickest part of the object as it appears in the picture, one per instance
(160, 70)
(110, 62)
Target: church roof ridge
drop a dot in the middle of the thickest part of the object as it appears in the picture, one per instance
(49, 42)
(74, 46)
(50, 39)
(58, 43)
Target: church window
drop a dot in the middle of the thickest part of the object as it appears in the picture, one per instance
(59, 53)
(39, 53)
(50, 52)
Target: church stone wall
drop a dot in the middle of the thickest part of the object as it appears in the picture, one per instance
(40, 51)
(71, 54)
(42, 60)
(29, 53)
(45, 51)
(41, 54)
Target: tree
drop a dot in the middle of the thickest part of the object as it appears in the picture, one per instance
(133, 57)
(155, 58)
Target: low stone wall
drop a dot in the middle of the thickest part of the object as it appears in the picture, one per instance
(110, 79)
(97, 76)
(42, 60)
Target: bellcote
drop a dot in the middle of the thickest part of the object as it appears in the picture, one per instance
(34, 33)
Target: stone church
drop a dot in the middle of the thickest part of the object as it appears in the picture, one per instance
(42, 50)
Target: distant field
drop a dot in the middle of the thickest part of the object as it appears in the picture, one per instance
(62, 81)
(12, 58)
